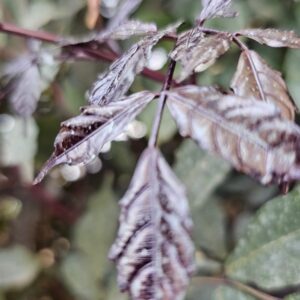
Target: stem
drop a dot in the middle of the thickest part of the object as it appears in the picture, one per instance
(26, 33)
(161, 105)
(246, 50)
(76, 51)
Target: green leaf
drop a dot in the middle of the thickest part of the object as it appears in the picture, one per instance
(210, 238)
(79, 279)
(268, 255)
(95, 232)
(293, 297)
(15, 134)
(229, 293)
(199, 171)
(18, 266)
(201, 289)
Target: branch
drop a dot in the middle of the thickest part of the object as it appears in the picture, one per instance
(26, 33)
(161, 105)
(77, 52)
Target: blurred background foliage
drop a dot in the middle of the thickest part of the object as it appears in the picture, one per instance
(54, 237)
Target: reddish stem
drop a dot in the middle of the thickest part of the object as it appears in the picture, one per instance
(27, 33)
(75, 51)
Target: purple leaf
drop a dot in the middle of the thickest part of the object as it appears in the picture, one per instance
(154, 251)
(81, 138)
(116, 81)
(250, 134)
(216, 8)
(197, 51)
(273, 37)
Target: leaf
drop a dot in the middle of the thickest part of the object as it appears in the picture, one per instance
(216, 8)
(81, 138)
(24, 85)
(128, 29)
(126, 8)
(122, 32)
(191, 163)
(212, 238)
(273, 37)
(255, 79)
(228, 293)
(268, 255)
(154, 251)
(295, 296)
(115, 82)
(250, 134)
(27, 77)
(15, 134)
(18, 267)
(94, 244)
(197, 51)
(78, 278)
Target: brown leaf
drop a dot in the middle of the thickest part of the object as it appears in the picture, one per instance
(93, 12)
(216, 8)
(255, 79)
(250, 134)
(81, 138)
(154, 251)
(197, 51)
(273, 37)
(116, 81)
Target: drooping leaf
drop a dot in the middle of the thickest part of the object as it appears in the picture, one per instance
(255, 79)
(197, 51)
(268, 255)
(26, 78)
(116, 81)
(154, 250)
(273, 37)
(191, 163)
(81, 138)
(250, 134)
(216, 8)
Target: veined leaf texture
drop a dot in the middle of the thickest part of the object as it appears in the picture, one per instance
(81, 138)
(153, 250)
(251, 135)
